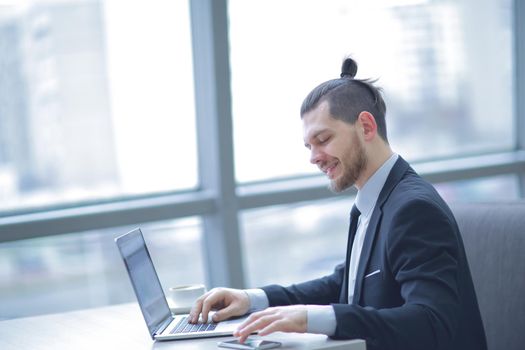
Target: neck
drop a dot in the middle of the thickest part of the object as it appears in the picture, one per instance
(377, 155)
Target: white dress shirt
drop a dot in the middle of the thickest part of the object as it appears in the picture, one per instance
(321, 318)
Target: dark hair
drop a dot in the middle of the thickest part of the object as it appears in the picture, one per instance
(348, 97)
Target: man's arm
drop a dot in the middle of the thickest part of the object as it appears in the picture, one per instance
(321, 291)
(288, 312)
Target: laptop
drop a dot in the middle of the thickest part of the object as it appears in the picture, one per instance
(161, 323)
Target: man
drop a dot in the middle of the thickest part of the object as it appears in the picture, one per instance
(405, 283)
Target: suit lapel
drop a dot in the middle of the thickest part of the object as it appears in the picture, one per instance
(397, 172)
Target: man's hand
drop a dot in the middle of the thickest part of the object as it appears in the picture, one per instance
(229, 302)
(274, 319)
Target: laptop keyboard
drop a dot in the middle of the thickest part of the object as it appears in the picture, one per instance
(184, 327)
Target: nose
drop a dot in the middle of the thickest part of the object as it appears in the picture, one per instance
(315, 155)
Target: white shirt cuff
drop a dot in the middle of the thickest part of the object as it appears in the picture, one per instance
(258, 300)
(321, 319)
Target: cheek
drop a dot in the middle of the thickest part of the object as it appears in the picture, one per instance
(340, 150)
(336, 146)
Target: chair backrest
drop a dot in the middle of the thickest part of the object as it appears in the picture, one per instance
(494, 238)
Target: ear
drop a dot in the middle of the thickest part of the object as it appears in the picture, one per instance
(368, 124)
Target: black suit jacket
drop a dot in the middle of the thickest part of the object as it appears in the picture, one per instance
(423, 296)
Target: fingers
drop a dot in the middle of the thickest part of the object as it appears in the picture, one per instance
(199, 307)
(255, 316)
(276, 326)
(284, 319)
(257, 321)
(195, 310)
(228, 302)
(206, 307)
(224, 314)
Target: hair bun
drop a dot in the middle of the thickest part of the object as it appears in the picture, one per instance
(349, 68)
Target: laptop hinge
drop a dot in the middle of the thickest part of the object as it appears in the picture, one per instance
(164, 325)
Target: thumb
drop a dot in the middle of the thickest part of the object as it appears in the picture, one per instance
(225, 313)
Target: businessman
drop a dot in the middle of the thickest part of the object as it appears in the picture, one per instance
(405, 283)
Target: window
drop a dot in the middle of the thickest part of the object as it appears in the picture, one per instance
(313, 236)
(447, 75)
(82, 270)
(96, 101)
(97, 128)
(303, 231)
(484, 189)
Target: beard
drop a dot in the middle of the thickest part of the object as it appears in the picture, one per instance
(353, 166)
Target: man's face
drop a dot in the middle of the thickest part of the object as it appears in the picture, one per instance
(335, 147)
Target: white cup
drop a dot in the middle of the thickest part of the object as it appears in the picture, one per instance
(181, 298)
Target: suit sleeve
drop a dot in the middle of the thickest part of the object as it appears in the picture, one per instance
(422, 254)
(321, 291)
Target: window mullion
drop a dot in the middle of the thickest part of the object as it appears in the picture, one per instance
(215, 141)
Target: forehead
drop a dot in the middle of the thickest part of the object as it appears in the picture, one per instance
(319, 120)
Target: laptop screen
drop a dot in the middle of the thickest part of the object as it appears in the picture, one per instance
(144, 279)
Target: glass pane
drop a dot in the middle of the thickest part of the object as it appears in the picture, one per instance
(313, 236)
(96, 100)
(489, 189)
(82, 270)
(303, 232)
(445, 66)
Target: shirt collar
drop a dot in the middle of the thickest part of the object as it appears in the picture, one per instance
(367, 196)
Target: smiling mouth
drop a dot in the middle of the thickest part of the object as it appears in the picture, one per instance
(330, 170)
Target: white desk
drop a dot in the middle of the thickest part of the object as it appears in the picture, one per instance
(122, 327)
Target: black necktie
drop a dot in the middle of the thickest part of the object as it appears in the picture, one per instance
(354, 218)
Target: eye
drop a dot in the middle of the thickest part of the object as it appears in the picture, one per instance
(324, 140)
